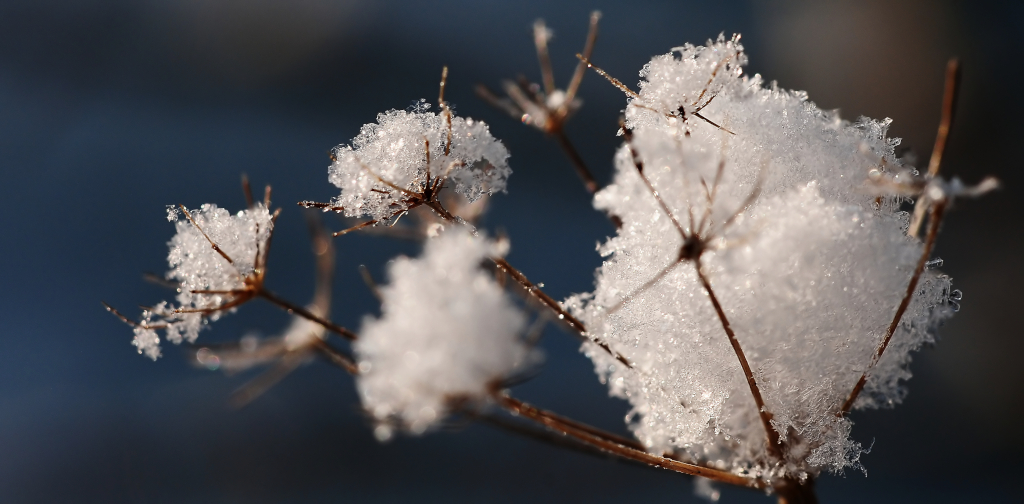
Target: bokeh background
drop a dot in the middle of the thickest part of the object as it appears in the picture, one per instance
(111, 110)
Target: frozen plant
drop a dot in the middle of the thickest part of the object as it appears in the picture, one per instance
(548, 108)
(404, 159)
(748, 330)
(216, 262)
(764, 279)
(219, 262)
(446, 334)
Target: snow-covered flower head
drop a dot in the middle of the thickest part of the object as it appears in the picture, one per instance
(406, 151)
(215, 258)
(447, 332)
(760, 193)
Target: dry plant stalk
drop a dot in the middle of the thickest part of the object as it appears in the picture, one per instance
(764, 407)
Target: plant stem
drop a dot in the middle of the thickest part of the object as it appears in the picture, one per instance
(558, 424)
(556, 307)
(576, 160)
(766, 416)
(934, 220)
(306, 314)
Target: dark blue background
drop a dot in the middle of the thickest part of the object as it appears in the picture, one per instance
(111, 110)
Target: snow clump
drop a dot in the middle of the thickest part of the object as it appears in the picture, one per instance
(388, 161)
(446, 333)
(808, 265)
(197, 266)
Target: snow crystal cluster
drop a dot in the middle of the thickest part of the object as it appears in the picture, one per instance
(807, 264)
(197, 266)
(447, 331)
(392, 158)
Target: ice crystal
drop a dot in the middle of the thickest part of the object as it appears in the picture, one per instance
(197, 266)
(388, 160)
(447, 331)
(809, 272)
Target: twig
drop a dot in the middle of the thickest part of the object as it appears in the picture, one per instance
(945, 123)
(555, 422)
(766, 416)
(934, 220)
(556, 307)
(577, 161)
(304, 313)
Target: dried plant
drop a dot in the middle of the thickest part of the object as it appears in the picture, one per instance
(808, 290)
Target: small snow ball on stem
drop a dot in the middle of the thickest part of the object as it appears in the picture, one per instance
(407, 157)
(446, 333)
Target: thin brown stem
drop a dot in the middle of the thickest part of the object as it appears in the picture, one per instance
(542, 434)
(354, 228)
(119, 315)
(556, 423)
(212, 244)
(370, 283)
(247, 190)
(581, 67)
(259, 385)
(323, 206)
(335, 356)
(664, 206)
(556, 307)
(588, 429)
(576, 160)
(153, 278)
(647, 285)
(261, 265)
(948, 108)
(485, 94)
(933, 231)
(713, 123)
(615, 82)
(748, 374)
(306, 314)
(942, 135)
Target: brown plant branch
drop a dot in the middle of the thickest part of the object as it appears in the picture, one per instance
(577, 161)
(934, 220)
(557, 423)
(949, 96)
(748, 374)
(306, 314)
(556, 307)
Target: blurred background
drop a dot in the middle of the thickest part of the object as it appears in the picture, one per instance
(111, 110)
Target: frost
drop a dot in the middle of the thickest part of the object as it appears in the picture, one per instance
(197, 266)
(394, 157)
(447, 333)
(807, 264)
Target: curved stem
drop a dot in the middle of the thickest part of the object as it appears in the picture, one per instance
(556, 423)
